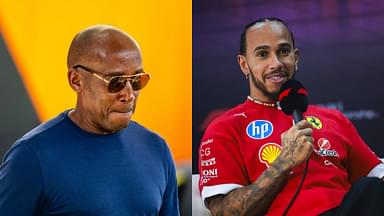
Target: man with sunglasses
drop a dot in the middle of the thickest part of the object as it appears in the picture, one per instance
(93, 159)
(252, 158)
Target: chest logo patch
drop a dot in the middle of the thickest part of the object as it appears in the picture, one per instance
(325, 148)
(259, 129)
(315, 122)
(268, 153)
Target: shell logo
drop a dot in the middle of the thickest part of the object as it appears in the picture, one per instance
(268, 153)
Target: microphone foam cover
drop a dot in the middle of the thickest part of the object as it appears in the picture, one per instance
(293, 96)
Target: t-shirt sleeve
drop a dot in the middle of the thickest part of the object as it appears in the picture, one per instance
(170, 203)
(221, 165)
(360, 159)
(20, 182)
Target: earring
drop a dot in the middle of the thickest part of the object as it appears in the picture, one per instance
(296, 67)
(246, 76)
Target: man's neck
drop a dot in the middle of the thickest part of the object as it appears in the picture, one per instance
(81, 122)
(263, 98)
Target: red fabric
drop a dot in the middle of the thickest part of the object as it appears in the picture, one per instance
(339, 159)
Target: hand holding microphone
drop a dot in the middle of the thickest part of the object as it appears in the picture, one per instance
(297, 142)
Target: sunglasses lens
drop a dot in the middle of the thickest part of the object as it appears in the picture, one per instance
(139, 81)
(116, 84)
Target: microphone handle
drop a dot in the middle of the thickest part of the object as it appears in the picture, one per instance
(297, 116)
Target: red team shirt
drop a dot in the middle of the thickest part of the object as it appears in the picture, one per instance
(239, 145)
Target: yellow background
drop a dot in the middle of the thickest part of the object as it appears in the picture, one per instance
(38, 34)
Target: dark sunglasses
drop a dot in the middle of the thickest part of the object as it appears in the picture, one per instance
(117, 83)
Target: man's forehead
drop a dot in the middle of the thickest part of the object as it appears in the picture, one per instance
(122, 55)
(269, 30)
(126, 61)
(129, 58)
(129, 54)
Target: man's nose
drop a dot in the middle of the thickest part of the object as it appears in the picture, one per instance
(127, 93)
(275, 62)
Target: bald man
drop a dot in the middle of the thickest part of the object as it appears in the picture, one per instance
(93, 159)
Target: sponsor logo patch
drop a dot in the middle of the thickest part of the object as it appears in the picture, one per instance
(205, 151)
(315, 122)
(325, 148)
(208, 141)
(268, 153)
(210, 172)
(328, 163)
(259, 129)
(240, 114)
(208, 162)
(207, 175)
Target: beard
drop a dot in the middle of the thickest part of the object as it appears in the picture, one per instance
(260, 84)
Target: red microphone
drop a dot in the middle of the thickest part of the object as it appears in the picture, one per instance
(293, 99)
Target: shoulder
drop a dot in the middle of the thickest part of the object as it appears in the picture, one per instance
(226, 126)
(42, 133)
(20, 164)
(328, 112)
(329, 115)
(20, 150)
(50, 127)
(229, 117)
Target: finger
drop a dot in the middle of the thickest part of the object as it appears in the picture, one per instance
(308, 145)
(305, 132)
(303, 124)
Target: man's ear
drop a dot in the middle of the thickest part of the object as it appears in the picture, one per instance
(297, 55)
(74, 80)
(243, 65)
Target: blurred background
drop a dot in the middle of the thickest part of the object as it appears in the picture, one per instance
(341, 44)
(35, 37)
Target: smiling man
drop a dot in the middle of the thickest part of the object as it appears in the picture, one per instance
(93, 159)
(252, 157)
(270, 59)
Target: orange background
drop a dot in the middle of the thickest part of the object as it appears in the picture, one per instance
(38, 34)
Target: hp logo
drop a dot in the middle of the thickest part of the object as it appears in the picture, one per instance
(259, 129)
